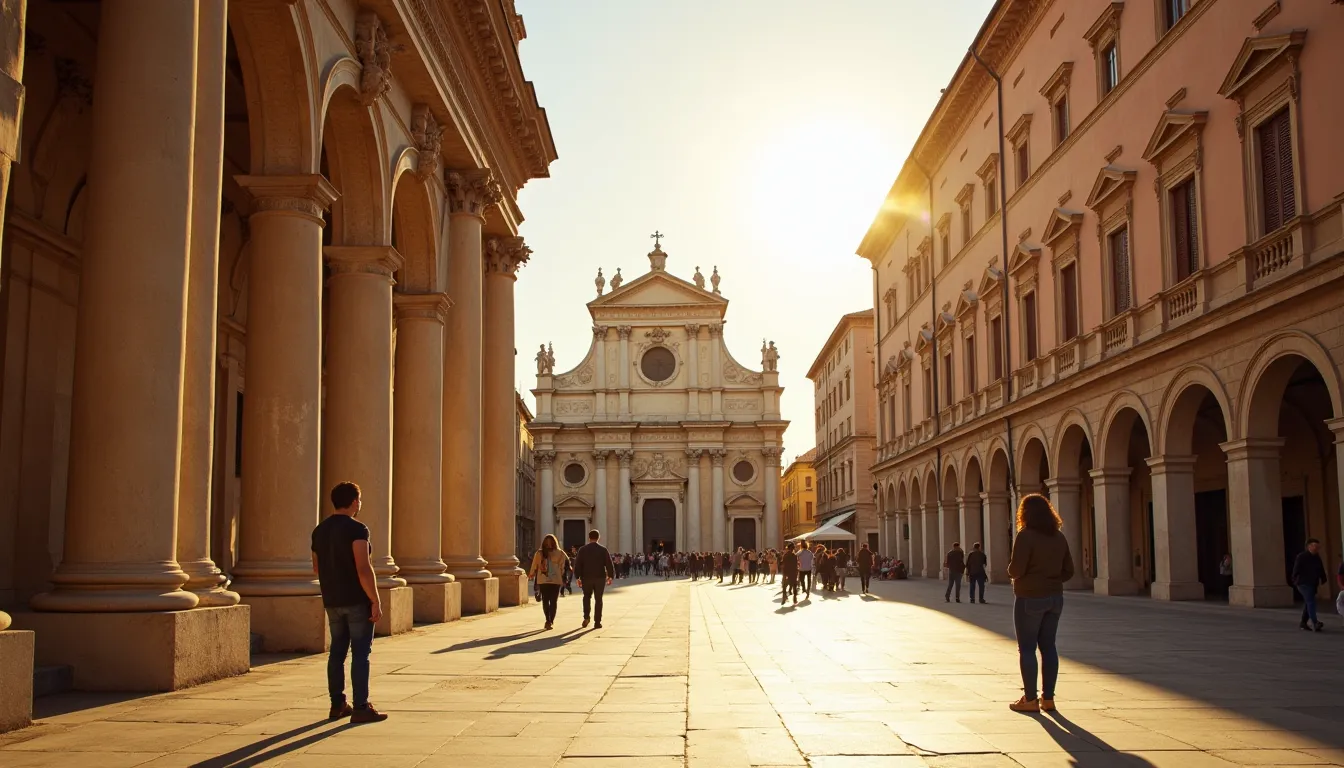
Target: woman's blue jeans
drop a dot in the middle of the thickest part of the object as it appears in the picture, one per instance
(1036, 620)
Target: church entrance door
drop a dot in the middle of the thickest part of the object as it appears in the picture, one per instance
(660, 525)
(744, 533)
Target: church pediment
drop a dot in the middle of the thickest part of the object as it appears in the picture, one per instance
(573, 501)
(744, 499)
(658, 288)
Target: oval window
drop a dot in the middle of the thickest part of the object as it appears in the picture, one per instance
(743, 471)
(658, 364)
(575, 474)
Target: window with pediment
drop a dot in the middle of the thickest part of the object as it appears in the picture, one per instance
(963, 199)
(1056, 93)
(944, 231)
(1024, 269)
(990, 292)
(1104, 37)
(1020, 138)
(989, 180)
(1265, 81)
(1062, 237)
(1112, 199)
(1176, 152)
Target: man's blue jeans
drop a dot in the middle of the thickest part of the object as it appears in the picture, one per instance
(1308, 593)
(351, 631)
(1036, 620)
(977, 580)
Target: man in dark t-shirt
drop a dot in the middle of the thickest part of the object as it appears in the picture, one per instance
(350, 595)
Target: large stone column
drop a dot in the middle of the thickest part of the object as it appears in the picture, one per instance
(772, 455)
(417, 456)
(600, 493)
(915, 565)
(357, 423)
(949, 524)
(1174, 529)
(600, 353)
(720, 520)
(470, 193)
(693, 383)
(693, 499)
(999, 522)
(546, 480)
(198, 381)
(1255, 523)
(281, 412)
(499, 481)
(933, 551)
(1066, 496)
(1115, 570)
(627, 515)
(968, 509)
(716, 370)
(1337, 427)
(623, 333)
(118, 591)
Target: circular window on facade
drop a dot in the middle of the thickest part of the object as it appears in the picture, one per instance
(743, 471)
(575, 473)
(658, 364)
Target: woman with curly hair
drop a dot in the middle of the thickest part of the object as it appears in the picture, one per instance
(1039, 566)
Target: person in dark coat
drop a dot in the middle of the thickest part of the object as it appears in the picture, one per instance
(977, 570)
(865, 560)
(594, 570)
(955, 563)
(788, 569)
(1308, 575)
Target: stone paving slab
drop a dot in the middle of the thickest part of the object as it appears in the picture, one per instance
(701, 674)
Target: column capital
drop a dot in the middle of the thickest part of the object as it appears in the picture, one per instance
(716, 456)
(601, 456)
(931, 507)
(305, 194)
(544, 459)
(772, 456)
(714, 330)
(693, 330)
(694, 455)
(623, 331)
(1065, 484)
(505, 256)
(1253, 448)
(421, 306)
(995, 497)
(472, 191)
(1171, 465)
(625, 457)
(381, 260)
(600, 332)
(973, 498)
(1111, 475)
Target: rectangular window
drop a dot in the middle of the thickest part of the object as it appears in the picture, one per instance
(1110, 68)
(807, 483)
(949, 392)
(970, 364)
(1060, 111)
(928, 392)
(996, 347)
(965, 225)
(1278, 195)
(1184, 229)
(991, 197)
(1023, 166)
(1029, 325)
(907, 406)
(809, 506)
(1175, 9)
(945, 244)
(1068, 294)
(849, 425)
(1119, 247)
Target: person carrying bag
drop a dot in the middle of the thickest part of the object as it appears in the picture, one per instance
(549, 567)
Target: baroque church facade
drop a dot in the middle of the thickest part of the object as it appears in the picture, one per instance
(659, 437)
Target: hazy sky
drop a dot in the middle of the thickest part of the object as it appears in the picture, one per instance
(759, 135)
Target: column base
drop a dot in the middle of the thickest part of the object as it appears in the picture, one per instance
(437, 603)
(1178, 591)
(513, 589)
(1081, 583)
(294, 623)
(16, 680)
(143, 651)
(398, 611)
(480, 595)
(1260, 597)
(1115, 587)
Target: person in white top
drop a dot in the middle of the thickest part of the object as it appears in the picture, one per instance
(805, 570)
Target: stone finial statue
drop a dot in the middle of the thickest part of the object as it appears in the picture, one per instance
(771, 362)
(699, 279)
(657, 259)
(765, 354)
(600, 281)
(714, 279)
(543, 362)
(616, 279)
(550, 357)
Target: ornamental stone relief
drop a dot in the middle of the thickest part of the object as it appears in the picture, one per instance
(656, 467)
(573, 407)
(580, 378)
(736, 374)
(742, 405)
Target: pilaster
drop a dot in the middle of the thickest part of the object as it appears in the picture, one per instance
(1174, 531)
(1255, 523)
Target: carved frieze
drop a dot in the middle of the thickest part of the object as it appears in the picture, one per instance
(428, 137)
(575, 407)
(742, 405)
(580, 378)
(736, 374)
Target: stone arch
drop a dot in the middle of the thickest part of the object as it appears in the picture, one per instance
(1267, 377)
(972, 481)
(1180, 407)
(1071, 434)
(414, 232)
(998, 469)
(1113, 447)
(352, 144)
(916, 498)
(931, 486)
(278, 63)
(951, 488)
(1033, 459)
(902, 497)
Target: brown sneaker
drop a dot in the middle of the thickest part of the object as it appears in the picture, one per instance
(367, 715)
(1047, 705)
(344, 710)
(1021, 705)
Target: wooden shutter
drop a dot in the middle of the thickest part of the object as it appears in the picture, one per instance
(1180, 228)
(1283, 140)
(970, 364)
(996, 347)
(1029, 324)
(1120, 270)
(1277, 191)
(1068, 278)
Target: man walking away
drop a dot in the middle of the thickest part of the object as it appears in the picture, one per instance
(788, 568)
(350, 595)
(976, 570)
(955, 563)
(865, 559)
(805, 560)
(841, 569)
(1308, 574)
(593, 568)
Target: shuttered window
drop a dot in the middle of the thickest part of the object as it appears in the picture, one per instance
(1120, 293)
(949, 391)
(1277, 190)
(1068, 279)
(928, 392)
(1029, 325)
(996, 347)
(970, 365)
(1184, 224)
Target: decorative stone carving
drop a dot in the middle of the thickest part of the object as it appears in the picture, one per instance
(600, 281)
(625, 458)
(582, 377)
(504, 255)
(375, 56)
(714, 279)
(772, 456)
(717, 455)
(575, 407)
(715, 329)
(699, 279)
(693, 330)
(744, 405)
(544, 459)
(600, 332)
(428, 137)
(616, 279)
(601, 455)
(657, 259)
(545, 360)
(735, 374)
(694, 454)
(623, 332)
(657, 335)
(656, 467)
(769, 357)
(471, 191)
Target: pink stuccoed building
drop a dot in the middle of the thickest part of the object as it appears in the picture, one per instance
(1110, 271)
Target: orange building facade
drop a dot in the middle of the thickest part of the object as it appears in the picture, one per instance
(1110, 272)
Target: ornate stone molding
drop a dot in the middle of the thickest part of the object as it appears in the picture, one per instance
(505, 255)
(428, 137)
(772, 456)
(375, 56)
(306, 194)
(601, 455)
(380, 260)
(693, 330)
(472, 191)
(624, 458)
(717, 455)
(600, 332)
(421, 306)
(694, 454)
(715, 330)
(544, 459)
(623, 332)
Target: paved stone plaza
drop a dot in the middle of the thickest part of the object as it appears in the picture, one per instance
(714, 675)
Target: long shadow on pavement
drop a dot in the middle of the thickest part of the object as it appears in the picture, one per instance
(484, 641)
(1067, 734)
(260, 751)
(532, 646)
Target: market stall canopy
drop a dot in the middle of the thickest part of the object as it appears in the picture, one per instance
(829, 531)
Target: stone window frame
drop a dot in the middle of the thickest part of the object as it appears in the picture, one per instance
(989, 181)
(1102, 36)
(965, 312)
(1019, 136)
(990, 293)
(925, 347)
(944, 230)
(1264, 79)
(1025, 271)
(587, 472)
(1160, 8)
(643, 348)
(946, 328)
(890, 299)
(1112, 200)
(755, 469)
(964, 199)
(1063, 236)
(924, 255)
(1056, 93)
(1176, 152)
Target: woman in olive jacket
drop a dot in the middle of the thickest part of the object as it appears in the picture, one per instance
(549, 566)
(1039, 567)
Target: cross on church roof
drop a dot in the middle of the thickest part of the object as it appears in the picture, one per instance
(657, 237)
